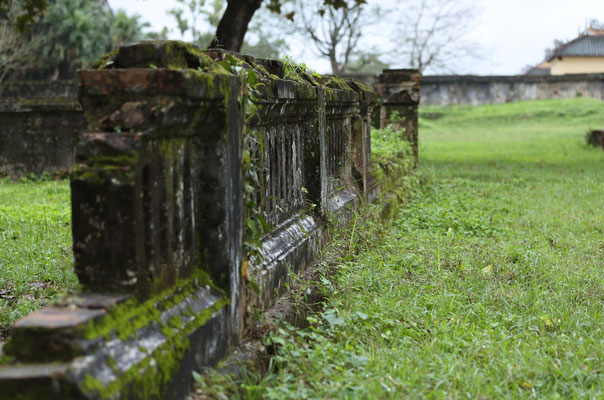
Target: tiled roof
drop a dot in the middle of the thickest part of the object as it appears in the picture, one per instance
(583, 46)
(538, 71)
(543, 68)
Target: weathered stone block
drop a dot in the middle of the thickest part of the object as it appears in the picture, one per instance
(50, 334)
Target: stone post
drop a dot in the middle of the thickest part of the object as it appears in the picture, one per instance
(400, 91)
(156, 190)
(340, 104)
(361, 139)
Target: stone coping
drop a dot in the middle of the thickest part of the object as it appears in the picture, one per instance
(38, 104)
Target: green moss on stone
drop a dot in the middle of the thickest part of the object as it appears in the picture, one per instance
(335, 82)
(105, 61)
(126, 318)
(171, 54)
(150, 378)
(99, 173)
(111, 161)
(112, 364)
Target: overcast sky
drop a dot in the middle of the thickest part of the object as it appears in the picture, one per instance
(512, 33)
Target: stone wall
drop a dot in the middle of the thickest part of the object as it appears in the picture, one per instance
(476, 90)
(25, 88)
(190, 213)
(38, 134)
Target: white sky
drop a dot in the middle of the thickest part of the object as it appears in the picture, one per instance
(512, 33)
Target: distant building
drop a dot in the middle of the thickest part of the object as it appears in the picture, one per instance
(583, 55)
(543, 68)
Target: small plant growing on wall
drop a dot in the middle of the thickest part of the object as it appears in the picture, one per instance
(255, 224)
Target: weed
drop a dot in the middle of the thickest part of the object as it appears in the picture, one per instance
(293, 70)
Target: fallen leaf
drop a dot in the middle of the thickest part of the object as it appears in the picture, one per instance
(38, 285)
(245, 272)
(395, 383)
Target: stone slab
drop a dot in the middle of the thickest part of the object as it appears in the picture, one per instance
(58, 318)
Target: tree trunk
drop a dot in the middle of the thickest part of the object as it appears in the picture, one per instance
(335, 66)
(233, 25)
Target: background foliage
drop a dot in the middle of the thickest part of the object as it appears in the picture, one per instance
(69, 35)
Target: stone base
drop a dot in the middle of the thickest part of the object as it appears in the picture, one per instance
(117, 348)
(289, 247)
(340, 205)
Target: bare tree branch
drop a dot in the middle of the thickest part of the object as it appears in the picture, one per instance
(433, 33)
(16, 50)
(335, 33)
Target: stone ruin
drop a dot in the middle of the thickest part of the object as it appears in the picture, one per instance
(162, 211)
(39, 128)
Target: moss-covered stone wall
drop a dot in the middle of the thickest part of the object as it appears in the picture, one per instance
(202, 181)
(38, 134)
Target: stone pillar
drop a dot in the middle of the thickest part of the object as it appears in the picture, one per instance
(156, 190)
(340, 103)
(361, 139)
(400, 92)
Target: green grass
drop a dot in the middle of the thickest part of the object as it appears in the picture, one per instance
(489, 284)
(35, 246)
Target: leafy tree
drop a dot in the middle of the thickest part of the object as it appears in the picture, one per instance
(190, 14)
(233, 25)
(29, 12)
(595, 24)
(77, 32)
(555, 45)
(129, 28)
(367, 62)
(265, 48)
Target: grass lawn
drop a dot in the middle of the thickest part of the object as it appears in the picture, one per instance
(489, 284)
(35, 246)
